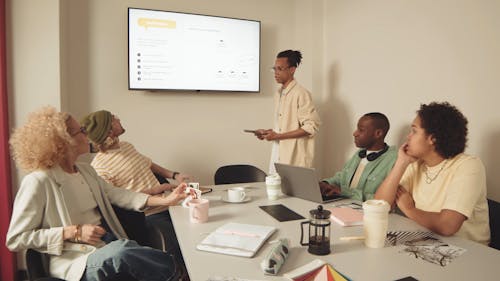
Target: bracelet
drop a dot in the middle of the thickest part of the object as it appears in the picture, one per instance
(174, 174)
(78, 233)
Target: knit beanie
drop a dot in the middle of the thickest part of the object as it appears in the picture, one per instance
(98, 125)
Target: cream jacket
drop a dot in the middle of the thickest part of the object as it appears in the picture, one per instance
(40, 213)
(296, 111)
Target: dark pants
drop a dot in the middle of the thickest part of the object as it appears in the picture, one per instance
(163, 222)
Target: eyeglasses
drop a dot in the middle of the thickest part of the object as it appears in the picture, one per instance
(279, 68)
(82, 130)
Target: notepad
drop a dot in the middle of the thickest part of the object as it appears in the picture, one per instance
(346, 216)
(236, 239)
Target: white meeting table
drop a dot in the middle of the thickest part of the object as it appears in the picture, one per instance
(351, 258)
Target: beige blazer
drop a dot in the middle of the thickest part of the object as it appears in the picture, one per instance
(40, 213)
(296, 111)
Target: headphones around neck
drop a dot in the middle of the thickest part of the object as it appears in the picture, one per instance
(374, 155)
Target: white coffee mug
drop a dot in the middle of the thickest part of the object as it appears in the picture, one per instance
(236, 194)
(375, 222)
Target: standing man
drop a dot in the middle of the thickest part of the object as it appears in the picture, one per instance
(296, 121)
(368, 167)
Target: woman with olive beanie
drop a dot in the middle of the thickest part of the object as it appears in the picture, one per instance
(120, 164)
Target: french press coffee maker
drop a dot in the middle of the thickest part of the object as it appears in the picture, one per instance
(319, 232)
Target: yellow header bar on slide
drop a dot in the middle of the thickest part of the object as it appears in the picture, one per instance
(147, 22)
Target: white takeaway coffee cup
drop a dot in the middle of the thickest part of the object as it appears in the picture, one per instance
(375, 222)
(273, 186)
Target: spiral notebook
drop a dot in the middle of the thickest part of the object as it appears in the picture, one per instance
(236, 239)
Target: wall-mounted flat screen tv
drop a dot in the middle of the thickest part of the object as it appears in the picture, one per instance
(181, 51)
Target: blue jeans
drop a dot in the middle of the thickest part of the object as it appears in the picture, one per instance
(127, 257)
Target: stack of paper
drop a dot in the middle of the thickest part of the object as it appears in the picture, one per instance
(317, 270)
(346, 216)
(236, 239)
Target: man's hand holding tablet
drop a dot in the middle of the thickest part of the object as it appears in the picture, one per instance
(258, 133)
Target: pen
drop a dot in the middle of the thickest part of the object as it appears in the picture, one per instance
(351, 238)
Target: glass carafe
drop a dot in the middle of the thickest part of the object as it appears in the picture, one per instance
(319, 232)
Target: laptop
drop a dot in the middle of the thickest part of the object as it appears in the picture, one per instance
(303, 183)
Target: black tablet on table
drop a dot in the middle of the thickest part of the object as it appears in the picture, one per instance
(281, 212)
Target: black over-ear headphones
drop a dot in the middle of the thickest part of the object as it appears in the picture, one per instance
(374, 155)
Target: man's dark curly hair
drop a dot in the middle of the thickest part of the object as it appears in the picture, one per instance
(447, 125)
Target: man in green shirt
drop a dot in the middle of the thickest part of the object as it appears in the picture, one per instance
(368, 167)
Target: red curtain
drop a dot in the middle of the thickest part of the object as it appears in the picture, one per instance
(7, 259)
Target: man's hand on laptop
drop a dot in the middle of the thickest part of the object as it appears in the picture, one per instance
(328, 189)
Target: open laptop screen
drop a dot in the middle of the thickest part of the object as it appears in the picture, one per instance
(302, 182)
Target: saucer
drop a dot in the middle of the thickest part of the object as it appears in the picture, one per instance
(224, 198)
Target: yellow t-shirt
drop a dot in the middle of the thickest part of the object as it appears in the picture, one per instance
(460, 186)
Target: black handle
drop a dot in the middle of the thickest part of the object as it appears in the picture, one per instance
(302, 233)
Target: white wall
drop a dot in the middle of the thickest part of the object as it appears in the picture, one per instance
(359, 56)
(33, 56)
(184, 131)
(390, 56)
(33, 60)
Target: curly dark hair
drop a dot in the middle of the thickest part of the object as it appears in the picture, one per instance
(447, 125)
(294, 57)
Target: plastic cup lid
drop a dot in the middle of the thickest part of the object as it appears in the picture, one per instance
(273, 179)
(376, 206)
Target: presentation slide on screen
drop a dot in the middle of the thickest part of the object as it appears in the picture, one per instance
(170, 50)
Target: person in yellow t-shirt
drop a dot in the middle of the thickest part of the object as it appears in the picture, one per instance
(433, 182)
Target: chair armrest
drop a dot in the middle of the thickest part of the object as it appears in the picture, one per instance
(134, 224)
(156, 238)
(37, 264)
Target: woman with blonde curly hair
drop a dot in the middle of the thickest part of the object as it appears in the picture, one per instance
(63, 208)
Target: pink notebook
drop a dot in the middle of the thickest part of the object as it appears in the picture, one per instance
(346, 216)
